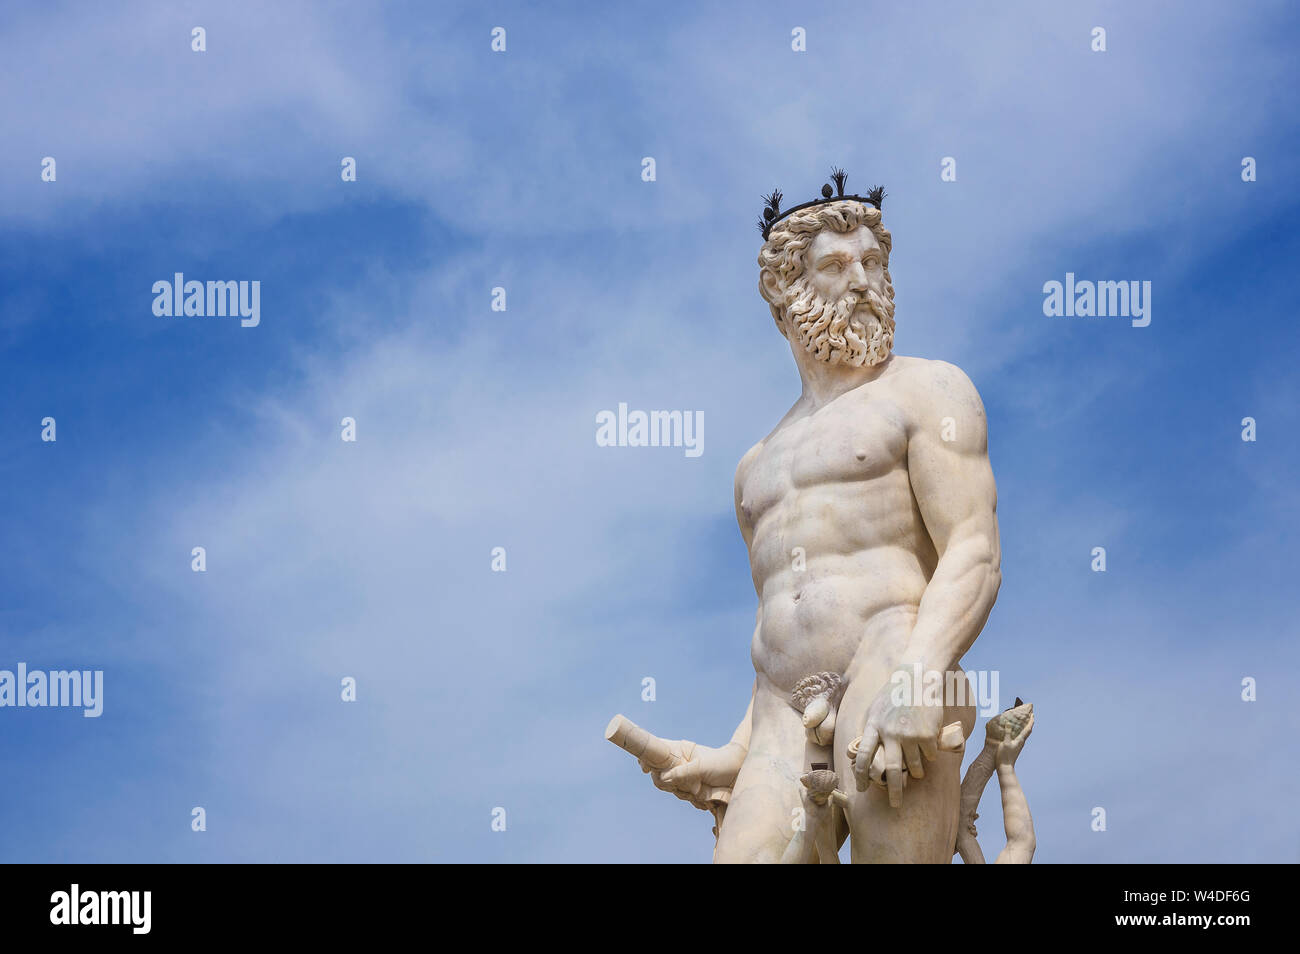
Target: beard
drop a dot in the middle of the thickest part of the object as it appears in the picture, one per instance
(857, 330)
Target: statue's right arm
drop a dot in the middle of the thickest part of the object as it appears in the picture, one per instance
(1015, 814)
(696, 766)
(704, 765)
(1015, 810)
(740, 738)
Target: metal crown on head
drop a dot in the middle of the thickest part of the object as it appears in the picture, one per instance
(772, 213)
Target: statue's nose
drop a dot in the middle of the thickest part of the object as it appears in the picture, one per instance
(858, 277)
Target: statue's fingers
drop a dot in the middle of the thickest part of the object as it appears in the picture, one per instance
(930, 749)
(665, 781)
(685, 777)
(1029, 727)
(866, 752)
(894, 772)
(912, 753)
(877, 771)
(809, 804)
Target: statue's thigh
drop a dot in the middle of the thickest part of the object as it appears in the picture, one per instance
(761, 814)
(923, 830)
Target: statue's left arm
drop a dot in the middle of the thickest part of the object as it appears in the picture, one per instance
(952, 481)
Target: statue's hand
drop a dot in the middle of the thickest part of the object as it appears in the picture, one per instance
(904, 734)
(817, 808)
(696, 770)
(1009, 748)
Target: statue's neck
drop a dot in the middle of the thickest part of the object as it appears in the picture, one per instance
(823, 383)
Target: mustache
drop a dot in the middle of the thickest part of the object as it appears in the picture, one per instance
(855, 300)
(856, 328)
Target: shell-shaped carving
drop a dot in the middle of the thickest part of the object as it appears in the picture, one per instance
(1013, 719)
(829, 685)
(820, 781)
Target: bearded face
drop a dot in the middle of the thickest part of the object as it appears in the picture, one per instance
(836, 299)
(856, 329)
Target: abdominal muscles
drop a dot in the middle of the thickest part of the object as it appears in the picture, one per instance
(815, 621)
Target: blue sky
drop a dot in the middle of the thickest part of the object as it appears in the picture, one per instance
(476, 428)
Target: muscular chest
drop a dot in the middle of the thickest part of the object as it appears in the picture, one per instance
(837, 445)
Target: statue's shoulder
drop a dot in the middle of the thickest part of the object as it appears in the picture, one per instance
(937, 397)
(930, 382)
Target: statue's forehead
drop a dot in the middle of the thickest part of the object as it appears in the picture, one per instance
(855, 242)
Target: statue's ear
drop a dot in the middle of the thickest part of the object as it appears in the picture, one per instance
(773, 290)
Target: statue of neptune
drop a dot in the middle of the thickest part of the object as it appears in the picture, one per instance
(869, 513)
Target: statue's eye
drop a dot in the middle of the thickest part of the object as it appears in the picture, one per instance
(831, 267)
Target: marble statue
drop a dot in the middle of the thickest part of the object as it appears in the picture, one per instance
(869, 513)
